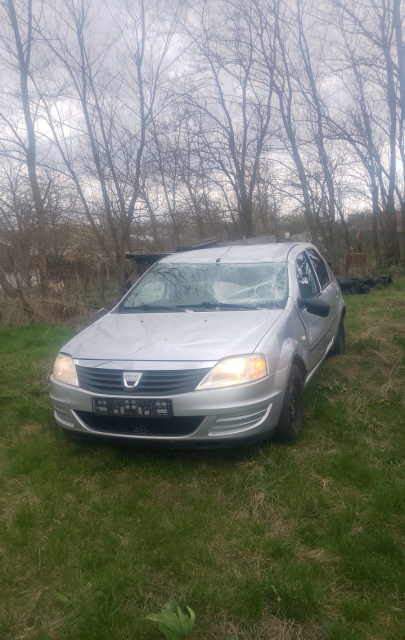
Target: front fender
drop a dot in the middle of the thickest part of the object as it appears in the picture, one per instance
(285, 340)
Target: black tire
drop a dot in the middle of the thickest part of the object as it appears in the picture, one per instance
(339, 346)
(291, 418)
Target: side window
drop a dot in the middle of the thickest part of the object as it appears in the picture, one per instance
(319, 266)
(305, 276)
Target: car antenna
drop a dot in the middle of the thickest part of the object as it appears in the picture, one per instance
(218, 260)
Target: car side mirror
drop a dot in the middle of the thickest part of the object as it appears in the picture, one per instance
(316, 306)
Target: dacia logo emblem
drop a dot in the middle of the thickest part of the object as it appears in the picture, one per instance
(131, 379)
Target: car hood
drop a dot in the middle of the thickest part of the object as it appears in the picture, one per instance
(204, 336)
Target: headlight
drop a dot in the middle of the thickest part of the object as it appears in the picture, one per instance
(235, 371)
(64, 370)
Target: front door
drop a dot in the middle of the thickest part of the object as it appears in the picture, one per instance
(317, 329)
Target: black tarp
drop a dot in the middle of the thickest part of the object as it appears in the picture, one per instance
(358, 286)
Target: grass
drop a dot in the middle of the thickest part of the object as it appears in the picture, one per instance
(272, 542)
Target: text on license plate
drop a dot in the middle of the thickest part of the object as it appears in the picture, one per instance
(133, 407)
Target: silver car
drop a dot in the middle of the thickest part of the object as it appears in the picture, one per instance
(209, 348)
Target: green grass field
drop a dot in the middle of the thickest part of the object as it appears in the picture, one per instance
(272, 542)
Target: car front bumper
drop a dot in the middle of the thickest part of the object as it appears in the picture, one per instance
(210, 417)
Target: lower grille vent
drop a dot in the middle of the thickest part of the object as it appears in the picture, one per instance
(167, 427)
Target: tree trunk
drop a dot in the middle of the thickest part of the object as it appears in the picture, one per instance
(8, 288)
(23, 55)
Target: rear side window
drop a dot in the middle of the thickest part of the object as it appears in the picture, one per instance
(319, 266)
(305, 277)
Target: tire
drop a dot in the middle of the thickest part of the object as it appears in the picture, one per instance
(339, 346)
(291, 418)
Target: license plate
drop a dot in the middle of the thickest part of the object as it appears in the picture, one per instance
(133, 407)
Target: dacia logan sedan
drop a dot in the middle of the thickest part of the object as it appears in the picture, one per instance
(212, 347)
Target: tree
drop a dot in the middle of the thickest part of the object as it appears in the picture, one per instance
(18, 53)
(375, 31)
(309, 85)
(116, 87)
(274, 27)
(230, 101)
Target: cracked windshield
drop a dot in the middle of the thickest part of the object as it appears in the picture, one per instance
(212, 287)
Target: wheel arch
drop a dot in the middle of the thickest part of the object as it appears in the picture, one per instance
(297, 360)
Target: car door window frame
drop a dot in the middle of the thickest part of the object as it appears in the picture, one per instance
(313, 251)
(303, 256)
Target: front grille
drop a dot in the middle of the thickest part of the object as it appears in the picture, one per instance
(166, 427)
(152, 383)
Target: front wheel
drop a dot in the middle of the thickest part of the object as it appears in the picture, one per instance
(291, 418)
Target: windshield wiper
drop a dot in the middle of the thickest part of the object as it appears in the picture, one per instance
(218, 305)
(148, 307)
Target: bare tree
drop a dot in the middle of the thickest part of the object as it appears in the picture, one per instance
(309, 85)
(231, 101)
(117, 104)
(273, 112)
(356, 125)
(375, 31)
(18, 48)
(274, 29)
(398, 22)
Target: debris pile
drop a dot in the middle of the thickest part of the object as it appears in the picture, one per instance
(358, 286)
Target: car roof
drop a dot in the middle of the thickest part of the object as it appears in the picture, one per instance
(271, 252)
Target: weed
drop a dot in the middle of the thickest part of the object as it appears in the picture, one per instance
(338, 629)
(172, 622)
